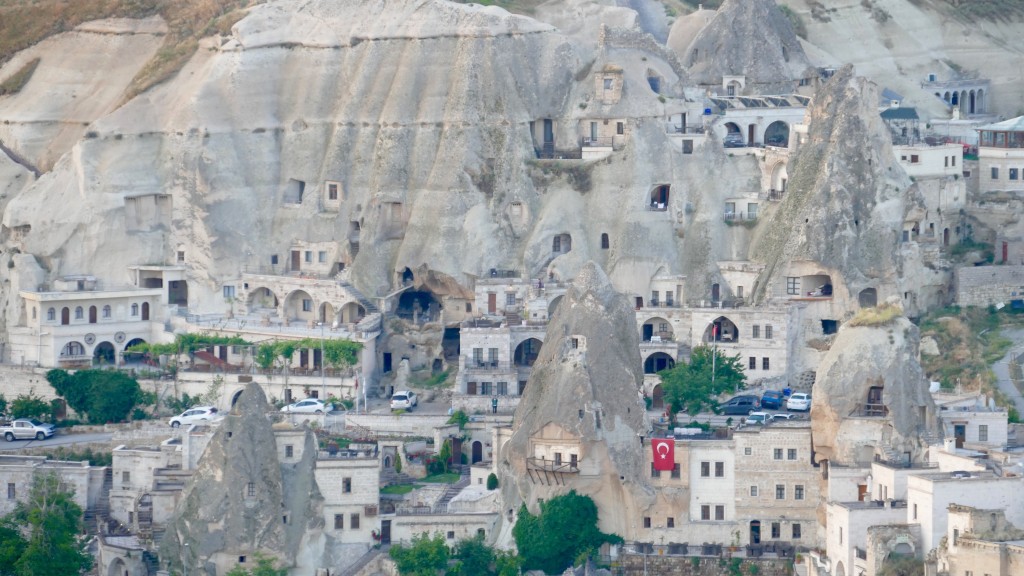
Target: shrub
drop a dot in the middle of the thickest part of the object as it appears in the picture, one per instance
(492, 481)
(102, 395)
(30, 406)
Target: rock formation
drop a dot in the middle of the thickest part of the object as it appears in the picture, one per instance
(846, 429)
(844, 205)
(235, 502)
(582, 399)
(749, 38)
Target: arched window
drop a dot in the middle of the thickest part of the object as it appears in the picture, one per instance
(604, 241)
(135, 309)
(79, 313)
(51, 314)
(106, 311)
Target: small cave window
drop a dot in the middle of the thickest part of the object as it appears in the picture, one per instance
(250, 492)
(829, 326)
(604, 245)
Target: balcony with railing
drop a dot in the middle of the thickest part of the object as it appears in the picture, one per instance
(774, 195)
(480, 366)
(739, 217)
(869, 410)
(671, 128)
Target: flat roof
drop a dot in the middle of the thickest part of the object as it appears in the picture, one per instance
(1011, 125)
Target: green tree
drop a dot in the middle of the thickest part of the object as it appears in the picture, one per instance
(425, 556)
(565, 529)
(51, 522)
(492, 481)
(29, 406)
(101, 395)
(474, 558)
(507, 563)
(695, 386)
(459, 417)
(3, 404)
(264, 567)
(11, 545)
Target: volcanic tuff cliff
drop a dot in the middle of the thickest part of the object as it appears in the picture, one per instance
(582, 398)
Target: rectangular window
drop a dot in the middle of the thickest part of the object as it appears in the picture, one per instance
(502, 388)
(776, 530)
(946, 158)
(492, 356)
(914, 159)
(1014, 172)
(478, 356)
(339, 521)
(798, 492)
(647, 521)
(486, 388)
(307, 305)
(273, 260)
(755, 332)
(983, 433)
(11, 491)
(719, 512)
(309, 256)
(353, 522)
(768, 331)
(670, 522)
(705, 512)
(451, 534)
(229, 292)
(250, 489)
(289, 451)
(620, 128)
(321, 256)
(332, 191)
(793, 285)
(608, 83)
(677, 471)
(780, 491)
(510, 299)
(840, 535)
(796, 532)
(719, 469)
(915, 511)
(346, 485)
(654, 472)
(777, 453)
(705, 469)
(791, 454)
(558, 461)
(126, 477)
(752, 363)
(181, 256)
(748, 451)
(995, 173)
(764, 363)
(753, 491)
(687, 146)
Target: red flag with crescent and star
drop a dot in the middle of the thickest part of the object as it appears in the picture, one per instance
(664, 452)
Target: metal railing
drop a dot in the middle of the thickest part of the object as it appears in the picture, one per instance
(603, 142)
(774, 195)
(677, 129)
(739, 216)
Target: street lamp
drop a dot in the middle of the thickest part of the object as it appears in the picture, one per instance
(184, 561)
(323, 363)
(712, 338)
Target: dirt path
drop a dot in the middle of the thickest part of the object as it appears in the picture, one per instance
(1002, 368)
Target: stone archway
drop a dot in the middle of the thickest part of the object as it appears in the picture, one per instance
(868, 298)
(478, 452)
(326, 314)
(526, 352)
(117, 568)
(777, 134)
(658, 398)
(299, 306)
(104, 354)
(553, 305)
(352, 313)
(261, 298)
(657, 362)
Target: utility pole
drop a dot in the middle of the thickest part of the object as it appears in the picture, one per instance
(323, 364)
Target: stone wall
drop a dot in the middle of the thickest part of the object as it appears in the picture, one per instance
(402, 425)
(701, 566)
(987, 285)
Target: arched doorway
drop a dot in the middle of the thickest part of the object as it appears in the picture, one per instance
(840, 570)
(868, 298)
(657, 362)
(65, 316)
(561, 244)
(407, 276)
(721, 329)
(261, 298)
(326, 313)
(299, 306)
(755, 531)
(103, 354)
(92, 314)
(72, 350)
(716, 292)
(420, 305)
(133, 356)
(732, 128)
(777, 134)
(117, 568)
(657, 329)
(658, 398)
(235, 397)
(145, 311)
(478, 452)
(972, 101)
(659, 197)
(352, 312)
(526, 352)
(945, 237)
(780, 175)
(553, 305)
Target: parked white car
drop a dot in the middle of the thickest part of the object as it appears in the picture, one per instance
(196, 415)
(761, 418)
(799, 401)
(403, 400)
(308, 406)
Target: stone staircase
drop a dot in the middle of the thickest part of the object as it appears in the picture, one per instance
(389, 476)
(370, 307)
(97, 518)
(365, 559)
(151, 562)
(453, 489)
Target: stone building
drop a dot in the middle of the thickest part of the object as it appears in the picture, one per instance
(1001, 156)
(981, 541)
(989, 285)
(17, 472)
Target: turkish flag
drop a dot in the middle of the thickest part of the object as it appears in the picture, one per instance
(664, 453)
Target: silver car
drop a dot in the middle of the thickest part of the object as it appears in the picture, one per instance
(196, 415)
(309, 406)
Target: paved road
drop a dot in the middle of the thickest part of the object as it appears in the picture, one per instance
(1002, 368)
(59, 440)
